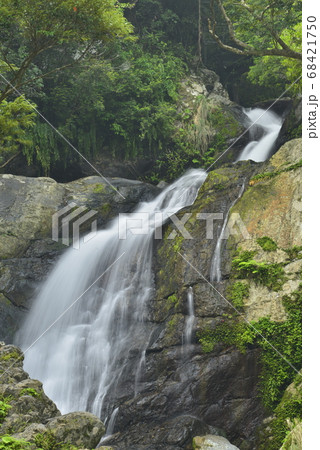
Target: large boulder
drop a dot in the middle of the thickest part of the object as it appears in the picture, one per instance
(28, 412)
(82, 429)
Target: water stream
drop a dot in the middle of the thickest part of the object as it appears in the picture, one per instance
(258, 149)
(187, 337)
(88, 321)
(260, 146)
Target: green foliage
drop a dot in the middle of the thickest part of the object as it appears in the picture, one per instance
(29, 391)
(4, 407)
(34, 26)
(9, 442)
(267, 244)
(226, 332)
(173, 300)
(203, 133)
(268, 274)
(16, 118)
(238, 292)
(280, 342)
(278, 71)
(44, 149)
(127, 108)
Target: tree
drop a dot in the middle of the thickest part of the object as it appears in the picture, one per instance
(31, 27)
(16, 118)
(256, 27)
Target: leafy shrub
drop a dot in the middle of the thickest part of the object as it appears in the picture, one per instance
(4, 407)
(29, 391)
(7, 441)
(268, 274)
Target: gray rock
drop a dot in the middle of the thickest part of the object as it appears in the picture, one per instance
(208, 442)
(82, 429)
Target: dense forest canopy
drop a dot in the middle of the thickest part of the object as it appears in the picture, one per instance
(107, 73)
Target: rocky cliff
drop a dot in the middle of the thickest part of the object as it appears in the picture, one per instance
(213, 385)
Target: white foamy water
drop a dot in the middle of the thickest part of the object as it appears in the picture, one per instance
(260, 147)
(83, 332)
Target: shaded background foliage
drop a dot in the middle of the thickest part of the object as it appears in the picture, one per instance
(118, 94)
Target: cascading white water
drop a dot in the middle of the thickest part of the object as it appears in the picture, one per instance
(215, 272)
(259, 148)
(187, 337)
(88, 319)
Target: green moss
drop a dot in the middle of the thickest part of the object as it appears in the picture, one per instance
(99, 188)
(105, 209)
(11, 355)
(47, 441)
(268, 175)
(238, 291)
(229, 332)
(173, 323)
(177, 243)
(173, 300)
(294, 252)
(267, 244)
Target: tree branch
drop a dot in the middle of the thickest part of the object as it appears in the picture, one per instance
(246, 49)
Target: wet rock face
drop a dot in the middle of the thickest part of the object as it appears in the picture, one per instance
(217, 390)
(27, 251)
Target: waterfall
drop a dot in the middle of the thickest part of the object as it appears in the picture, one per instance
(88, 324)
(215, 272)
(260, 147)
(187, 337)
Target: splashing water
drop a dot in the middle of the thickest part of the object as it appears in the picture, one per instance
(260, 147)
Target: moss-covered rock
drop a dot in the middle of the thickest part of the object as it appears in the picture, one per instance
(270, 210)
(26, 412)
